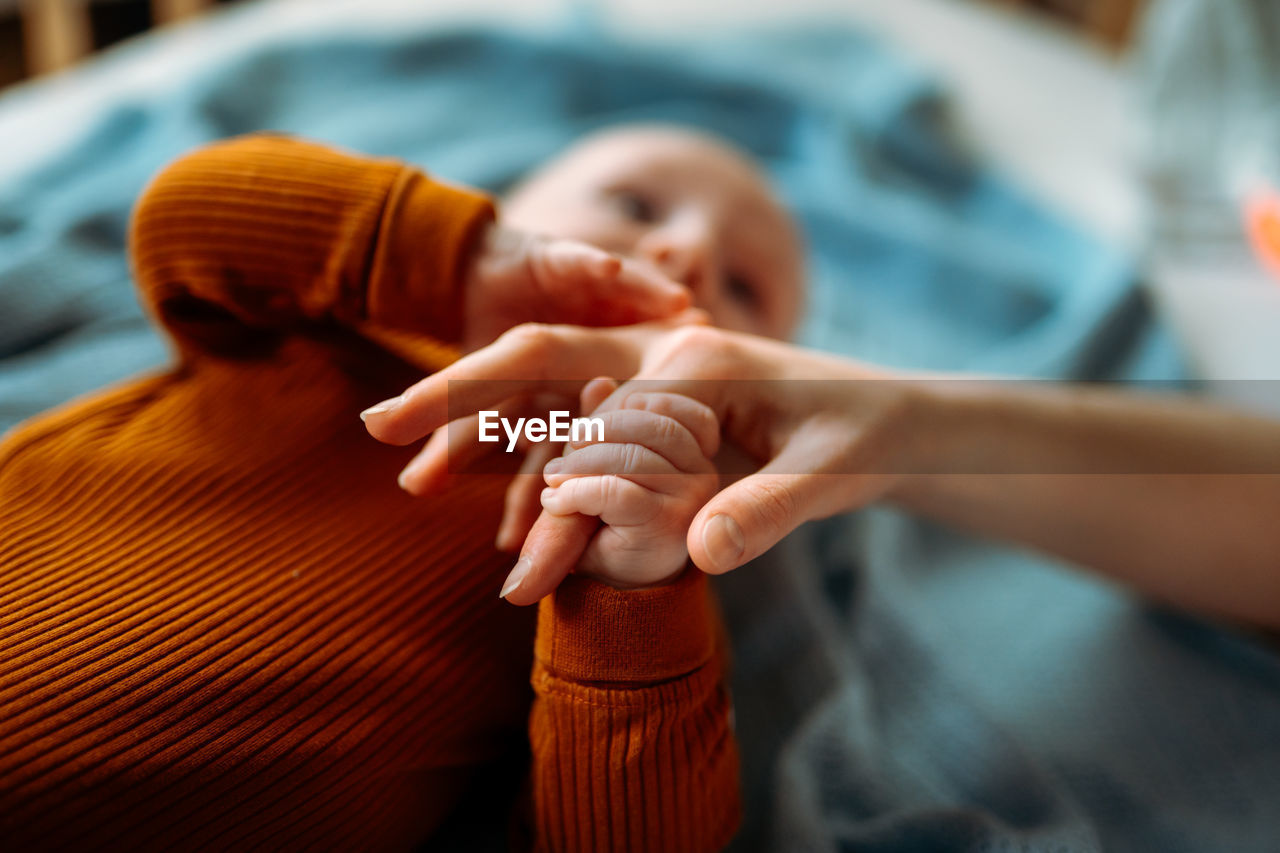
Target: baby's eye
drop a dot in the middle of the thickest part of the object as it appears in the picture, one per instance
(635, 206)
(741, 289)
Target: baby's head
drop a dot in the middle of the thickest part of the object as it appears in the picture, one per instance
(693, 206)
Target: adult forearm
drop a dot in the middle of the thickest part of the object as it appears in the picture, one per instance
(1176, 498)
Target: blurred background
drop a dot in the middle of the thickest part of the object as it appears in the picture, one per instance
(1079, 190)
(1151, 124)
(40, 36)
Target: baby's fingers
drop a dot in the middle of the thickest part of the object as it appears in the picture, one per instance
(614, 500)
(634, 462)
(699, 419)
(662, 435)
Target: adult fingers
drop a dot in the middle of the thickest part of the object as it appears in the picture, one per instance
(453, 445)
(457, 445)
(752, 515)
(529, 358)
(551, 550)
(592, 287)
(522, 506)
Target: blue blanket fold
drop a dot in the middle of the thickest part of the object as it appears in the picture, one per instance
(906, 688)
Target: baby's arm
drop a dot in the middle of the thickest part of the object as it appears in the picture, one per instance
(241, 241)
(245, 240)
(632, 747)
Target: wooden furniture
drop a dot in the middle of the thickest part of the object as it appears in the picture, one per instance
(1110, 21)
(58, 33)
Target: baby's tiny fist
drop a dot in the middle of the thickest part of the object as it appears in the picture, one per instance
(645, 479)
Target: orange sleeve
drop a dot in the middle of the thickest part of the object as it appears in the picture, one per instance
(632, 746)
(239, 242)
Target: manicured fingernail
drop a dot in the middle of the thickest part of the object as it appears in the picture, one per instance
(404, 478)
(723, 540)
(523, 565)
(553, 466)
(384, 406)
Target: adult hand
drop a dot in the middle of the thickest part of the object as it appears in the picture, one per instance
(1146, 490)
(830, 434)
(516, 277)
(519, 375)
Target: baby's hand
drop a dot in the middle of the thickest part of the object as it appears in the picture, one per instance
(646, 481)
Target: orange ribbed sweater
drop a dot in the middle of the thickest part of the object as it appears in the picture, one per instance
(223, 626)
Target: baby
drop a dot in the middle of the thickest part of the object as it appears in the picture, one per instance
(232, 629)
(702, 213)
(691, 205)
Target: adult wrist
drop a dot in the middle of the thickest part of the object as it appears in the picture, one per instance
(946, 426)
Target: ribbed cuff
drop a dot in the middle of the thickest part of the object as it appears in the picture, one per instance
(589, 631)
(427, 235)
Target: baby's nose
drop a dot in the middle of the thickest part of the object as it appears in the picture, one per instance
(684, 252)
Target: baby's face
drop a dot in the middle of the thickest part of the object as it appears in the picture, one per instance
(693, 207)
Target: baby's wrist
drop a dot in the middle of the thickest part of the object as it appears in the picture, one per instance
(655, 634)
(620, 580)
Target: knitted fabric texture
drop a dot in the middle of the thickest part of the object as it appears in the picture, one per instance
(223, 626)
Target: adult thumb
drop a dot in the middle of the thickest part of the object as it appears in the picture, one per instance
(752, 515)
